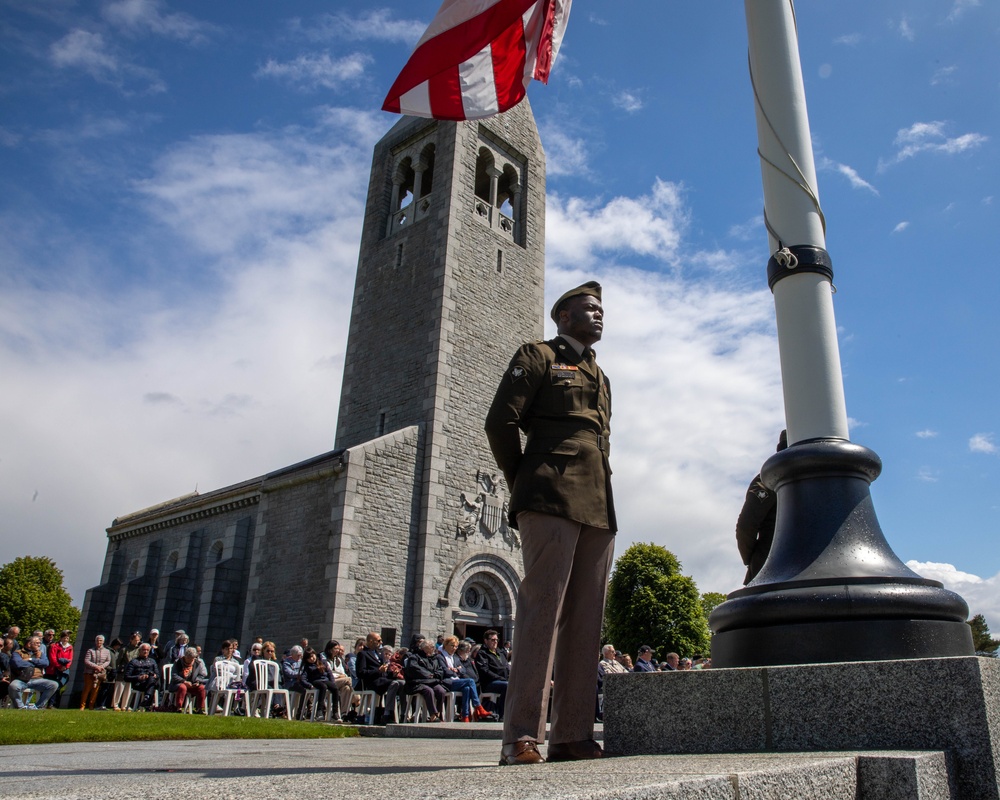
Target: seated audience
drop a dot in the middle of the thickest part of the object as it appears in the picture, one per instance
(141, 674)
(123, 688)
(644, 661)
(372, 671)
(457, 681)
(188, 676)
(343, 685)
(493, 669)
(27, 671)
(425, 676)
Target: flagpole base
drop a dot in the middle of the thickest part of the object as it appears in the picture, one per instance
(832, 589)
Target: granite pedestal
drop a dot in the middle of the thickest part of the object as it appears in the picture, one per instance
(948, 704)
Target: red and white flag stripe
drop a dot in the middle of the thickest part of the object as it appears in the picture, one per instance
(478, 56)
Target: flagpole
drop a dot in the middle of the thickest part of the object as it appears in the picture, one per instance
(832, 589)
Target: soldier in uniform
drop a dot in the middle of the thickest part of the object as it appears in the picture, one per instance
(561, 503)
(755, 526)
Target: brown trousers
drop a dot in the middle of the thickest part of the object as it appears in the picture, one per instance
(91, 684)
(560, 605)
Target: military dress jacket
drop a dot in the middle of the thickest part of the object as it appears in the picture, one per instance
(562, 403)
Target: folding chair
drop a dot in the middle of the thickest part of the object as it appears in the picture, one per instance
(224, 674)
(268, 675)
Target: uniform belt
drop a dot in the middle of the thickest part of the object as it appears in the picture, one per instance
(598, 440)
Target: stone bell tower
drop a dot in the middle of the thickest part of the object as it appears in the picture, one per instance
(449, 283)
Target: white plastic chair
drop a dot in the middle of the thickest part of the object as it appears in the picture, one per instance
(416, 709)
(224, 674)
(368, 706)
(308, 698)
(267, 674)
(169, 694)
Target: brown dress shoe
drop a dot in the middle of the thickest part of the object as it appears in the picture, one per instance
(524, 751)
(574, 751)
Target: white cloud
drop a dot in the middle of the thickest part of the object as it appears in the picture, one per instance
(138, 17)
(901, 226)
(926, 434)
(88, 52)
(982, 443)
(943, 75)
(856, 181)
(564, 154)
(849, 39)
(930, 137)
(226, 366)
(750, 230)
(982, 594)
(628, 101)
(960, 7)
(581, 229)
(906, 30)
(317, 69)
(927, 475)
(375, 25)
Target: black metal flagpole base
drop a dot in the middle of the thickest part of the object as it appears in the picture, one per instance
(832, 589)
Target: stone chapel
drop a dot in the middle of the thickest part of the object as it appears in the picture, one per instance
(402, 527)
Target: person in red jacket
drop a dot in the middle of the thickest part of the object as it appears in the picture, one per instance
(60, 660)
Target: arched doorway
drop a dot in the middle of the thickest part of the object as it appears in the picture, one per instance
(483, 595)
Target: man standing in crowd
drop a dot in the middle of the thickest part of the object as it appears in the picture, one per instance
(755, 526)
(96, 665)
(561, 503)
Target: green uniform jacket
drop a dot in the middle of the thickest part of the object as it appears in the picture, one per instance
(563, 404)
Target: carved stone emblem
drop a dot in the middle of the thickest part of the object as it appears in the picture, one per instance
(484, 511)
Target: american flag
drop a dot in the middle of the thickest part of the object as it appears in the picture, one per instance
(478, 56)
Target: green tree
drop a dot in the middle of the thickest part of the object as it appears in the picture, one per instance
(981, 639)
(709, 600)
(32, 597)
(650, 602)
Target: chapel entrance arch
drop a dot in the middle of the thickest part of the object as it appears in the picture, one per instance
(482, 595)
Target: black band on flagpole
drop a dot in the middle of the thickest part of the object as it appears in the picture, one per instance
(798, 258)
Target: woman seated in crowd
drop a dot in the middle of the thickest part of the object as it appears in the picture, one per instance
(425, 676)
(343, 684)
(314, 674)
(189, 676)
(226, 669)
(268, 652)
(461, 677)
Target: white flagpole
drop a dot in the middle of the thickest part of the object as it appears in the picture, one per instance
(803, 300)
(831, 588)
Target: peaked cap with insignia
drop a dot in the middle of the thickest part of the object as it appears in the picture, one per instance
(590, 287)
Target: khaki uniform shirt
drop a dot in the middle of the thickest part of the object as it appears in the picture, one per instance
(562, 402)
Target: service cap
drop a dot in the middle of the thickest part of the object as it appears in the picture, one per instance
(590, 287)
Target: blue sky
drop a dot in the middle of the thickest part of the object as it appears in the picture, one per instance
(181, 196)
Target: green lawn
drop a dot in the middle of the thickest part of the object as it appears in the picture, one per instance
(55, 726)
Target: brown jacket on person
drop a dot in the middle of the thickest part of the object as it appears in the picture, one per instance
(562, 402)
